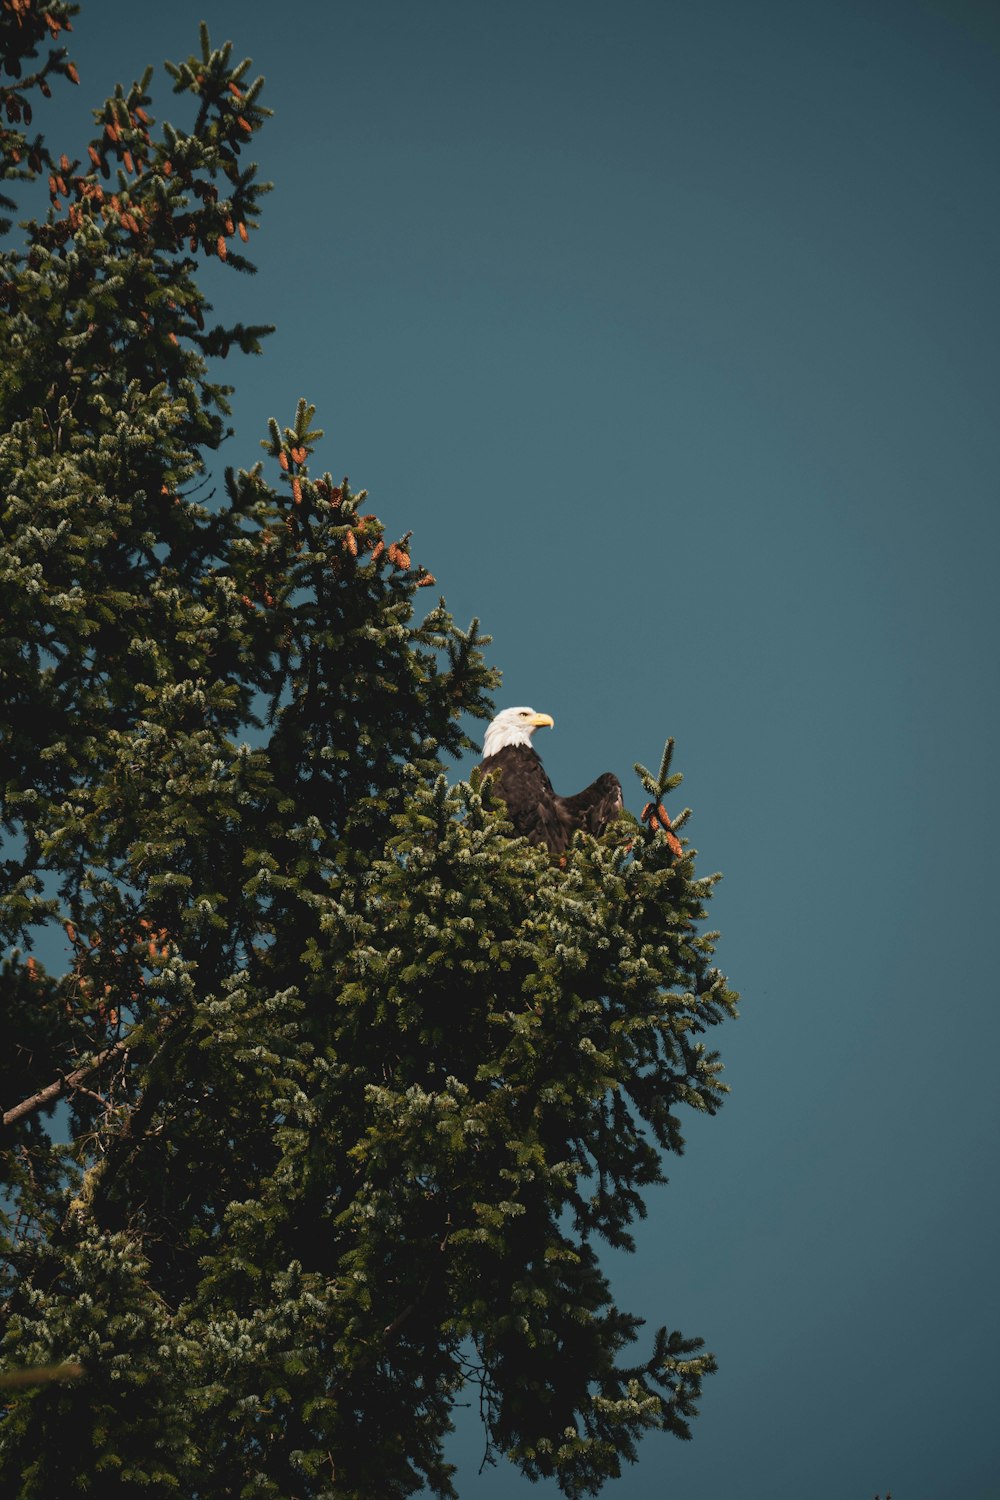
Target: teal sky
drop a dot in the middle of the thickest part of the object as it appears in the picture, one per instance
(672, 332)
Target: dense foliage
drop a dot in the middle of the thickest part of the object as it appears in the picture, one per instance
(320, 1089)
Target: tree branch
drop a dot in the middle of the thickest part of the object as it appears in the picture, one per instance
(42, 1375)
(55, 1090)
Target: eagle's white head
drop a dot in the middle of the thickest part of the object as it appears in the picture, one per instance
(513, 726)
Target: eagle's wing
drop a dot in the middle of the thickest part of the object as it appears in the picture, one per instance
(594, 807)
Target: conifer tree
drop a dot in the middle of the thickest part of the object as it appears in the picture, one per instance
(349, 1084)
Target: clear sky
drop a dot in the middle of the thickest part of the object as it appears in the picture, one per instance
(672, 332)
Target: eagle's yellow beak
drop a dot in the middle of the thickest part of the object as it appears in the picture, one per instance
(543, 721)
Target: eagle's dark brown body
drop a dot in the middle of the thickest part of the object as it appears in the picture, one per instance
(537, 812)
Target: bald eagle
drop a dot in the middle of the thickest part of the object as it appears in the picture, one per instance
(532, 805)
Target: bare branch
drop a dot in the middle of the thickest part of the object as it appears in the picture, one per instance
(41, 1374)
(72, 1080)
